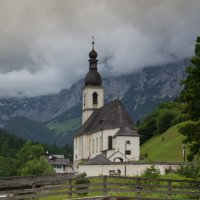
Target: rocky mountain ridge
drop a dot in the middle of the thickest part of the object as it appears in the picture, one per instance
(140, 93)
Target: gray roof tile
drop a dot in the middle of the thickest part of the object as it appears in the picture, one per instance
(110, 116)
(126, 131)
(99, 159)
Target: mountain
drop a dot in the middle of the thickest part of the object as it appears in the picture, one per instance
(151, 87)
(37, 131)
(60, 113)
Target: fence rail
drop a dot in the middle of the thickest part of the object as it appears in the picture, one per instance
(104, 187)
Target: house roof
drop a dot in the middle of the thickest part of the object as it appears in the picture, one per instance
(58, 156)
(59, 161)
(110, 116)
(99, 159)
(126, 131)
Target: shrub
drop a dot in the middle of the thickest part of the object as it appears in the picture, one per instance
(151, 172)
(191, 171)
(80, 180)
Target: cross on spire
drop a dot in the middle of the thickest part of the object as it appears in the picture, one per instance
(93, 42)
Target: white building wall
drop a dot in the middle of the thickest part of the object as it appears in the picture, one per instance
(98, 141)
(106, 134)
(81, 150)
(131, 169)
(89, 146)
(122, 145)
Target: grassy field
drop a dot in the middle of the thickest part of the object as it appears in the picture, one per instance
(165, 147)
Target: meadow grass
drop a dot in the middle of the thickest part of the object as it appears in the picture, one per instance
(166, 146)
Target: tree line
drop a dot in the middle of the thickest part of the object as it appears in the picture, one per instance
(21, 157)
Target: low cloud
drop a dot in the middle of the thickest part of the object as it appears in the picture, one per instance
(44, 44)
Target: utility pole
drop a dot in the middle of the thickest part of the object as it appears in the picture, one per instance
(183, 151)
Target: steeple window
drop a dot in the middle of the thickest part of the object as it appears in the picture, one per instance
(95, 98)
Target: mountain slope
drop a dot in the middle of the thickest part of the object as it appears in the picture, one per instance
(153, 86)
(140, 92)
(165, 147)
(66, 123)
(30, 130)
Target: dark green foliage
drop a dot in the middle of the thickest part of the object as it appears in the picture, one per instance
(30, 161)
(157, 122)
(81, 179)
(151, 172)
(191, 93)
(8, 166)
(192, 131)
(191, 171)
(36, 167)
(29, 151)
(191, 96)
(165, 120)
(15, 153)
(9, 144)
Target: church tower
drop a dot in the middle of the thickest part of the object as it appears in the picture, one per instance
(93, 91)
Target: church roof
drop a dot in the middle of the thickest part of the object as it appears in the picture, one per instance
(110, 116)
(126, 131)
(99, 159)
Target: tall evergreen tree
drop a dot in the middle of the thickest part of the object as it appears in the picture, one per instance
(191, 96)
(191, 92)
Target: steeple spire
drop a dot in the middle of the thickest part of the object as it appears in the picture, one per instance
(93, 77)
(93, 55)
(92, 42)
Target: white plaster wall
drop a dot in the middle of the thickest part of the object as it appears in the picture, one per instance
(101, 146)
(88, 106)
(131, 169)
(134, 146)
(81, 150)
(107, 133)
(89, 146)
(62, 170)
(75, 148)
(110, 152)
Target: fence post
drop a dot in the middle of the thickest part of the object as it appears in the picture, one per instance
(105, 185)
(169, 187)
(34, 192)
(138, 187)
(70, 188)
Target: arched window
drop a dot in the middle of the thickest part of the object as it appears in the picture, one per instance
(95, 98)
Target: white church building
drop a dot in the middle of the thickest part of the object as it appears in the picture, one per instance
(107, 133)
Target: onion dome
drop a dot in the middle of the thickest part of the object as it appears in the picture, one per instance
(93, 54)
(93, 77)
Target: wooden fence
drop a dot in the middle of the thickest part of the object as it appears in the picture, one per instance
(104, 187)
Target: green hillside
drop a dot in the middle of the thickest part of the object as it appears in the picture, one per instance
(166, 146)
(30, 130)
(67, 123)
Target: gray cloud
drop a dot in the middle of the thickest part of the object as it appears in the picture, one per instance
(44, 44)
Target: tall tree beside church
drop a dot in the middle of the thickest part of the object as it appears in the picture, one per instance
(191, 96)
(191, 92)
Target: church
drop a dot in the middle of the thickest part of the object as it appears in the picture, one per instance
(107, 133)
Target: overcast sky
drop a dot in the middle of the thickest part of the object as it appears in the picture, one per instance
(44, 44)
